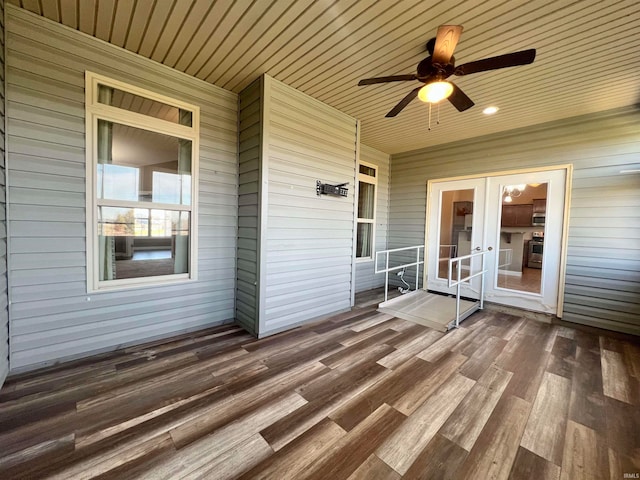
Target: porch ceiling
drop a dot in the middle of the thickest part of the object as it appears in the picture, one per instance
(587, 57)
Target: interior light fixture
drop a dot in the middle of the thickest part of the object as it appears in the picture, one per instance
(513, 191)
(435, 91)
(490, 110)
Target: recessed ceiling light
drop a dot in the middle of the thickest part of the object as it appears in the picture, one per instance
(490, 110)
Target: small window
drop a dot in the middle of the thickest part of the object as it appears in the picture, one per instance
(367, 186)
(141, 168)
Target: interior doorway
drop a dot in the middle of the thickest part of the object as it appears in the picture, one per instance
(520, 217)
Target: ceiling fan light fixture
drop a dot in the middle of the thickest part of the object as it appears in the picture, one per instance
(435, 91)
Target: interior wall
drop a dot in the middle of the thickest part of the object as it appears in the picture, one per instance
(602, 285)
(52, 315)
(366, 279)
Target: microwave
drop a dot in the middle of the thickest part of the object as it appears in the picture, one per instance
(537, 219)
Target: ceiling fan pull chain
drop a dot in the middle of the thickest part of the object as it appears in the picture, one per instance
(438, 120)
(429, 116)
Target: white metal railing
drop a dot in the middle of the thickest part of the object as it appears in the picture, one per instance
(459, 280)
(388, 269)
(507, 259)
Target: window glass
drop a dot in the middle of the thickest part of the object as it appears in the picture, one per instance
(364, 240)
(140, 242)
(145, 106)
(368, 170)
(366, 200)
(136, 164)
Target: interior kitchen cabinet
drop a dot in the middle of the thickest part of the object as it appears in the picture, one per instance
(539, 205)
(517, 215)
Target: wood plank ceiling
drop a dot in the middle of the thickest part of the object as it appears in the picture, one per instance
(587, 53)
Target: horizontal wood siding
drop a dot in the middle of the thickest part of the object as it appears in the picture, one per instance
(603, 257)
(366, 279)
(52, 316)
(250, 145)
(307, 250)
(4, 312)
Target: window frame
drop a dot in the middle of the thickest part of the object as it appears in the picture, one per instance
(95, 111)
(373, 180)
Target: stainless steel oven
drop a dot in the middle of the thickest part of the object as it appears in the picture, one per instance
(536, 250)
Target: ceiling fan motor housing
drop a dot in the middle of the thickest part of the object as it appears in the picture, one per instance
(428, 72)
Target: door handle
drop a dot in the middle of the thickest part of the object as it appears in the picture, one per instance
(477, 249)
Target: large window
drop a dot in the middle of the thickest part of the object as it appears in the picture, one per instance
(367, 183)
(142, 151)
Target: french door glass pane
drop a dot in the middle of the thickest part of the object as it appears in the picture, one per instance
(456, 215)
(523, 209)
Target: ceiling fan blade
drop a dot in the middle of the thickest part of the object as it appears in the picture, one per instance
(404, 102)
(446, 41)
(459, 99)
(393, 78)
(523, 57)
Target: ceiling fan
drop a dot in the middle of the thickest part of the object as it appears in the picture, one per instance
(440, 65)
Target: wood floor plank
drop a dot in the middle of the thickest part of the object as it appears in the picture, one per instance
(528, 465)
(330, 394)
(215, 416)
(374, 469)
(440, 459)
(443, 369)
(346, 455)
(375, 319)
(586, 404)
(360, 352)
(528, 362)
(483, 356)
(622, 427)
(325, 394)
(195, 455)
(562, 360)
(469, 418)
(402, 448)
(616, 380)
(113, 459)
(546, 427)
(407, 350)
(620, 464)
(389, 389)
(585, 454)
(232, 462)
(494, 452)
(292, 460)
(446, 344)
(363, 335)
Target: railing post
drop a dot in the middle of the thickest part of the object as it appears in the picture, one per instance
(386, 278)
(482, 281)
(417, 265)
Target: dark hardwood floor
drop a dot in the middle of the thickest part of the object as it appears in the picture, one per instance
(360, 396)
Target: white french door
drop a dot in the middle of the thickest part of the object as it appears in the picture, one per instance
(455, 228)
(519, 217)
